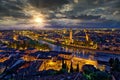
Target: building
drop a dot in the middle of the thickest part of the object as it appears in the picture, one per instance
(71, 36)
(86, 35)
(64, 30)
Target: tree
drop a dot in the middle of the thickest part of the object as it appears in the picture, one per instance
(77, 69)
(116, 65)
(64, 68)
(111, 61)
(116, 61)
(63, 65)
(87, 69)
(71, 68)
(99, 75)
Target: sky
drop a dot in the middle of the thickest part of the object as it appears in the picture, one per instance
(39, 14)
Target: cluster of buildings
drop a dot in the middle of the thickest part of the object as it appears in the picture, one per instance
(18, 41)
(20, 62)
(104, 40)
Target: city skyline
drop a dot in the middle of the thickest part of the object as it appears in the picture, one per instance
(59, 40)
(72, 54)
(40, 14)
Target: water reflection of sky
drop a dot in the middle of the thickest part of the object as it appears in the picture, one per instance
(93, 55)
(87, 54)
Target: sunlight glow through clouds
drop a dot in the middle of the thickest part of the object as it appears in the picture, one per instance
(37, 18)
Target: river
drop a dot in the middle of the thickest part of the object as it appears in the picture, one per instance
(83, 53)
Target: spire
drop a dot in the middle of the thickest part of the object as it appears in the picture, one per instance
(86, 35)
(71, 36)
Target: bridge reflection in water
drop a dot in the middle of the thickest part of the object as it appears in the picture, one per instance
(84, 53)
(81, 57)
(57, 64)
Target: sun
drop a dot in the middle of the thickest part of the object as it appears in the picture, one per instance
(38, 20)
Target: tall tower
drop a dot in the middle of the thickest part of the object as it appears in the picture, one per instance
(86, 35)
(64, 30)
(71, 36)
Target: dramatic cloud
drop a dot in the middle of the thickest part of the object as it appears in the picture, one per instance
(74, 13)
(50, 4)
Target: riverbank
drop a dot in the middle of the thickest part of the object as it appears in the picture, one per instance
(82, 48)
